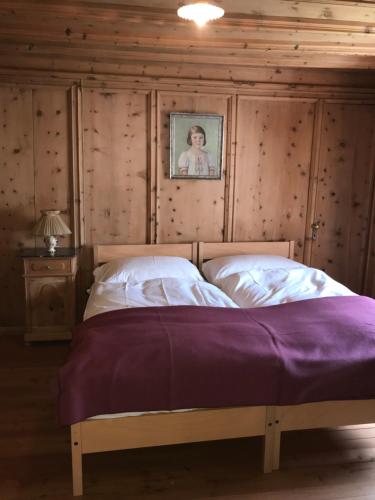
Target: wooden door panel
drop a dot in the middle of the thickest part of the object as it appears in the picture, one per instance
(273, 156)
(344, 192)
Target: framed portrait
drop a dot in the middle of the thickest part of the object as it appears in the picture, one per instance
(196, 146)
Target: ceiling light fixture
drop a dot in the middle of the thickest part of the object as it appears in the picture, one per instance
(200, 12)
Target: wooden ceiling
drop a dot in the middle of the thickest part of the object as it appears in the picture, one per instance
(80, 36)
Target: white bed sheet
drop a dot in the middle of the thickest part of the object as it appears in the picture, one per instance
(139, 413)
(106, 297)
(267, 287)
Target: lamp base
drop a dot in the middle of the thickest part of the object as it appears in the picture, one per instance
(51, 244)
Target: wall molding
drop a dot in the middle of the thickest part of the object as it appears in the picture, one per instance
(250, 88)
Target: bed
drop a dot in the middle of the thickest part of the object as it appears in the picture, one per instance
(300, 416)
(134, 430)
(153, 429)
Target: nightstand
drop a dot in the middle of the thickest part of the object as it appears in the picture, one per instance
(50, 293)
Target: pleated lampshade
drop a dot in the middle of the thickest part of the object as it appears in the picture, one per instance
(51, 224)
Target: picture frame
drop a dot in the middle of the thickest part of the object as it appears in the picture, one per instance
(196, 146)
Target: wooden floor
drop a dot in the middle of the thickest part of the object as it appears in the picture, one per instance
(35, 455)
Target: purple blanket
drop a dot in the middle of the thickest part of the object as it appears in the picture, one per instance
(165, 358)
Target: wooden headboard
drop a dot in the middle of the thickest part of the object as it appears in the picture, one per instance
(105, 253)
(208, 251)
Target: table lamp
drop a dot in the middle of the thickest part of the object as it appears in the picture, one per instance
(51, 225)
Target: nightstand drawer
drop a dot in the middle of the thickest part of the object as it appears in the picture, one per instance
(47, 266)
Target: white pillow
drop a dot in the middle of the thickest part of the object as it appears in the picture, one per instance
(135, 269)
(222, 267)
(268, 287)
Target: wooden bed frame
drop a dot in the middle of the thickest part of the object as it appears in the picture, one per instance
(303, 416)
(98, 435)
(106, 253)
(109, 434)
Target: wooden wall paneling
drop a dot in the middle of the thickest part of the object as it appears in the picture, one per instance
(83, 280)
(369, 285)
(161, 128)
(152, 162)
(115, 170)
(229, 88)
(115, 125)
(369, 268)
(75, 161)
(313, 183)
(17, 197)
(189, 209)
(351, 82)
(231, 162)
(272, 82)
(52, 157)
(345, 180)
(80, 137)
(274, 142)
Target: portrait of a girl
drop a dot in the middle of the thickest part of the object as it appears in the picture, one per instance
(196, 161)
(196, 146)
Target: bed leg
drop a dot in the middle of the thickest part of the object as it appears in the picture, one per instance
(276, 440)
(268, 455)
(75, 430)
